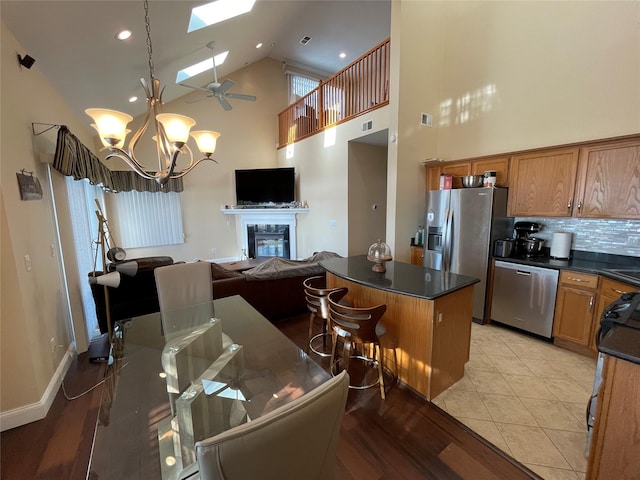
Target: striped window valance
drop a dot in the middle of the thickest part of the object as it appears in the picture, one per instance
(73, 158)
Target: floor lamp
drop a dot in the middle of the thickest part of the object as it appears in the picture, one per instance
(107, 280)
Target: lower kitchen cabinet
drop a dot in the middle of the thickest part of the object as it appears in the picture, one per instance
(417, 254)
(573, 324)
(615, 441)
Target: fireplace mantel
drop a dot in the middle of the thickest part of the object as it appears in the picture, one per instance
(263, 211)
(265, 216)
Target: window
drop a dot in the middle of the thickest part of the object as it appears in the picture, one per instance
(300, 85)
(82, 198)
(147, 219)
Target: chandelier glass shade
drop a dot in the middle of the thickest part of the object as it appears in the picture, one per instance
(171, 131)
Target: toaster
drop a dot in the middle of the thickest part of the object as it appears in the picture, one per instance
(503, 247)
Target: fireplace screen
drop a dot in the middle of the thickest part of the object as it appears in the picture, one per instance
(268, 241)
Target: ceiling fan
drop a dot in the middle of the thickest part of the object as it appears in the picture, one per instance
(219, 90)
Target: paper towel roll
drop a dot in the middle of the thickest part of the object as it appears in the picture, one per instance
(561, 245)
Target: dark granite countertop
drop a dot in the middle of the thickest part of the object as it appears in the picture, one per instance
(588, 262)
(402, 278)
(622, 342)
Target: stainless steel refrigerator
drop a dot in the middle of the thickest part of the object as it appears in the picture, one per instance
(461, 226)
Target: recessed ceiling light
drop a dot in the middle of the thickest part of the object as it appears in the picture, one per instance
(216, 12)
(133, 99)
(123, 34)
(259, 45)
(200, 67)
(343, 55)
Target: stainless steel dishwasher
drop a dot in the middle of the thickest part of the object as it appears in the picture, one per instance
(524, 297)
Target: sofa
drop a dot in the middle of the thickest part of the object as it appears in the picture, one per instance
(274, 288)
(136, 295)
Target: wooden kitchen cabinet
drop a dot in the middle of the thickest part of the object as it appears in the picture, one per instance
(542, 184)
(500, 165)
(573, 323)
(608, 181)
(609, 291)
(417, 254)
(592, 181)
(616, 435)
(457, 170)
(468, 167)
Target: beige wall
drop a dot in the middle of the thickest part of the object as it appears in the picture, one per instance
(518, 75)
(34, 303)
(367, 187)
(248, 138)
(322, 166)
(560, 71)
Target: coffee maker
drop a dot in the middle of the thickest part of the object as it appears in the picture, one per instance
(526, 245)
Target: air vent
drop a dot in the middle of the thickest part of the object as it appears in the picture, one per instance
(304, 40)
(368, 125)
(426, 120)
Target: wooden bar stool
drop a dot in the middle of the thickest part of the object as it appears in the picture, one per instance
(360, 326)
(315, 292)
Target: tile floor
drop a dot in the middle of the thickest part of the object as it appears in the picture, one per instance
(527, 397)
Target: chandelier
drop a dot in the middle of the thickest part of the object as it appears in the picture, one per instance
(172, 130)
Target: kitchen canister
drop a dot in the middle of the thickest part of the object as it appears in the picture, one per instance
(561, 245)
(489, 179)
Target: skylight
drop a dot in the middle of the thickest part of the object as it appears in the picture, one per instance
(216, 12)
(198, 68)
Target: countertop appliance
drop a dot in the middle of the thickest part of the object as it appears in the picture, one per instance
(461, 228)
(526, 245)
(524, 297)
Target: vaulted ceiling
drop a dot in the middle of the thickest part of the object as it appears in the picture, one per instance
(74, 44)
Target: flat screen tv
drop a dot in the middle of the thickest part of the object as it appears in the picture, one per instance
(265, 186)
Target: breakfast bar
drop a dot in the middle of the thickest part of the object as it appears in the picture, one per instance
(429, 312)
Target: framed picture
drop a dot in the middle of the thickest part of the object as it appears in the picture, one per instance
(30, 188)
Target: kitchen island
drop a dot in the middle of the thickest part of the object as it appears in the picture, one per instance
(429, 313)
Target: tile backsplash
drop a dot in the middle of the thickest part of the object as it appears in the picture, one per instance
(618, 237)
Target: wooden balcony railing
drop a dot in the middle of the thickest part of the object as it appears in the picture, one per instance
(357, 89)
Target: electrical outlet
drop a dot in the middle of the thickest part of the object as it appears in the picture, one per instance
(214, 251)
(52, 342)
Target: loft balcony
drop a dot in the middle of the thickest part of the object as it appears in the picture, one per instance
(355, 90)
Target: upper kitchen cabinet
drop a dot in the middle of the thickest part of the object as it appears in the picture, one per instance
(597, 180)
(609, 181)
(460, 168)
(542, 184)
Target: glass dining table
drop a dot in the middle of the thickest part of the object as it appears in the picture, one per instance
(188, 375)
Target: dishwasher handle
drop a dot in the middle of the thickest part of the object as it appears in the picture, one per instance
(523, 272)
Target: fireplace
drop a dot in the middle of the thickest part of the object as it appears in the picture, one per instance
(273, 231)
(268, 241)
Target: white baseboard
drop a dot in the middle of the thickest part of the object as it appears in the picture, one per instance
(38, 410)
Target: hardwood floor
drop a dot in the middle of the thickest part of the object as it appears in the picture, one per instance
(58, 446)
(402, 437)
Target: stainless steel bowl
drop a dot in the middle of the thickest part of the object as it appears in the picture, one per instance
(472, 181)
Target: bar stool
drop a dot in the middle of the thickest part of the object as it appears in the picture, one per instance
(359, 326)
(315, 292)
